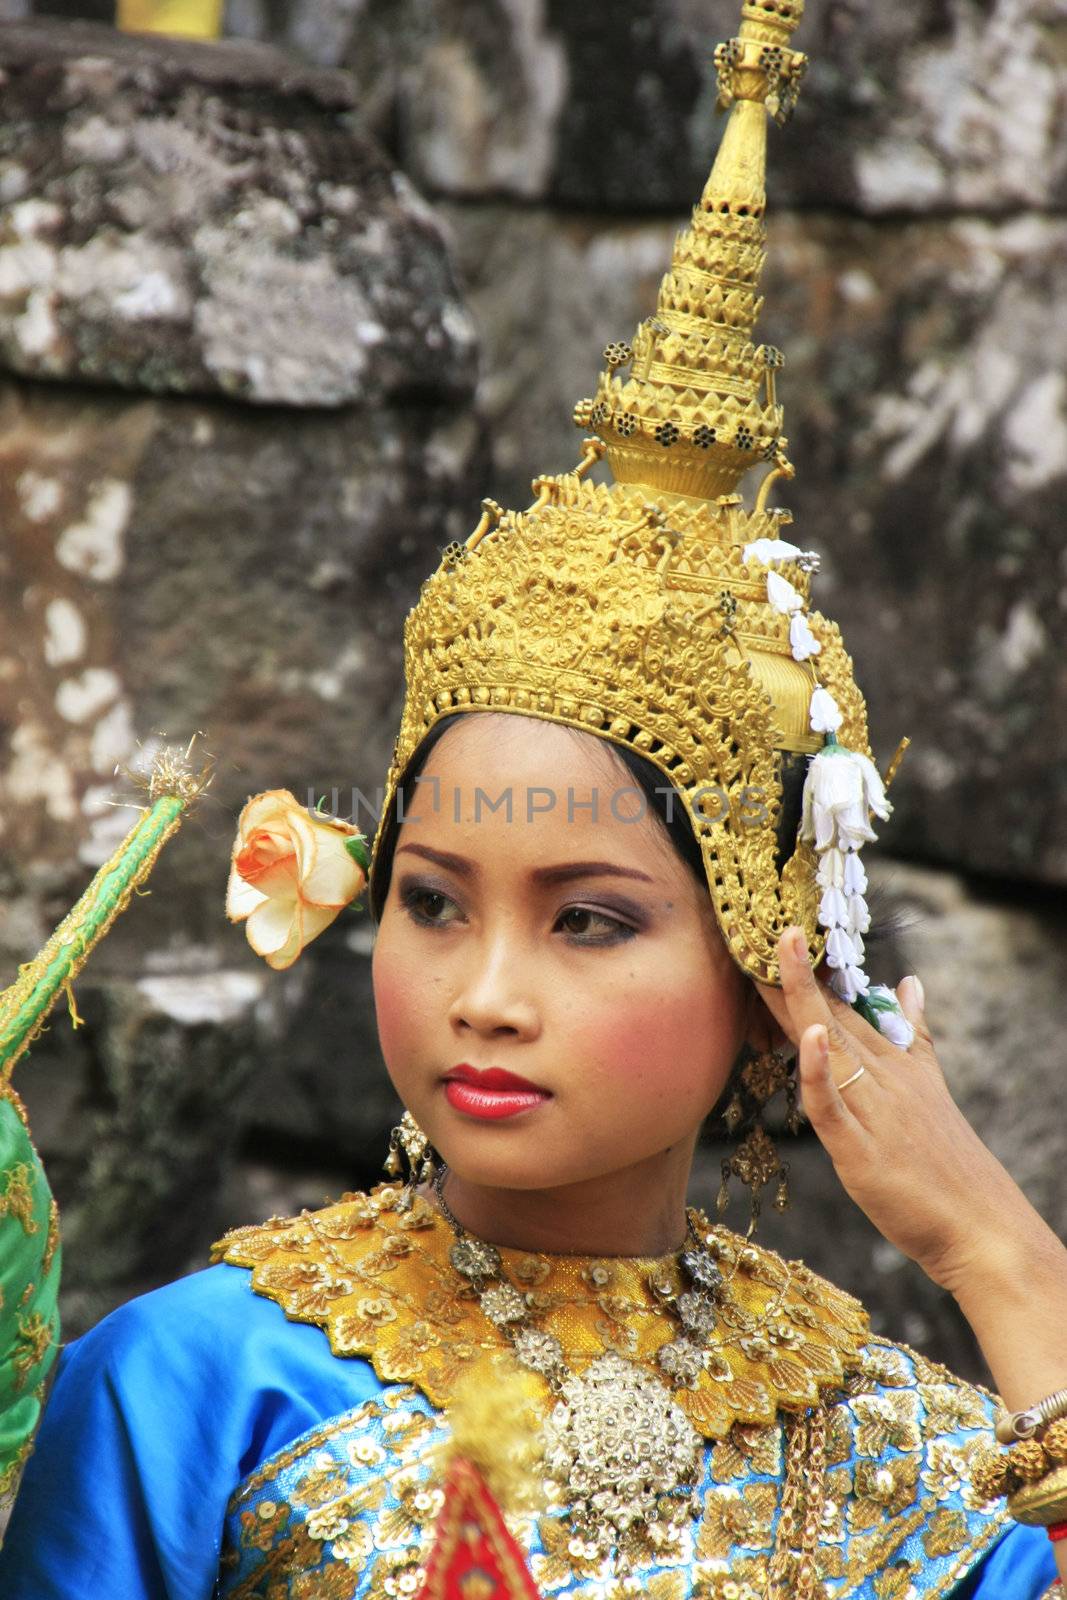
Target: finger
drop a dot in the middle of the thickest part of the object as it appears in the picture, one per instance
(912, 1002)
(833, 1117)
(808, 1002)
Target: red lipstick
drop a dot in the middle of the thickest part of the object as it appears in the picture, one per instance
(492, 1094)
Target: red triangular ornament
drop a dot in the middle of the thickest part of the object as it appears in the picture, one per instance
(473, 1556)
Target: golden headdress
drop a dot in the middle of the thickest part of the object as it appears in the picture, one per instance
(656, 611)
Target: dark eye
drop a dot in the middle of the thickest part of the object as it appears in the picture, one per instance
(426, 906)
(611, 930)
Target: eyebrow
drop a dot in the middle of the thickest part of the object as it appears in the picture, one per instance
(563, 873)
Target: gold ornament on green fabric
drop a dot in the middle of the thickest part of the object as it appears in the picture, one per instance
(29, 1221)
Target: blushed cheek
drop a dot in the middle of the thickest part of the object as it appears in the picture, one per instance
(627, 1043)
(396, 1006)
(652, 1045)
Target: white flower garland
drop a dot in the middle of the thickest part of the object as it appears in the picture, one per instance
(841, 788)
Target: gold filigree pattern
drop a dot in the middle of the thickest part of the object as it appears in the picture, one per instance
(398, 1300)
(626, 609)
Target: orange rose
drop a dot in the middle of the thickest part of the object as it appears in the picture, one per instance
(291, 873)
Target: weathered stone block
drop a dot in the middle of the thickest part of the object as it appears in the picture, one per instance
(918, 108)
(237, 560)
(186, 218)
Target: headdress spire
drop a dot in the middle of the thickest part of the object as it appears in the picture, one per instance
(691, 404)
(657, 611)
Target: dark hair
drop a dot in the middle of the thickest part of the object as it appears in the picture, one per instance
(662, 799)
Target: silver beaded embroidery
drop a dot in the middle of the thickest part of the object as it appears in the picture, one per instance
(616, 1442)
(503, 1304)
(681, 1361)
(539, 1351)
(697, 1312)
(474, 1258)
(701, 1268)
(619, 1452)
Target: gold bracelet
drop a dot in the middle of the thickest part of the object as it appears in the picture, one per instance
(1012, 1425)
(1042, 1503)
(1031, 1461)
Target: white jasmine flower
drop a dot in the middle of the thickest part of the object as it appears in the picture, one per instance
(781, 594)
(840, 951)
(858, 918)
(849, 983)
(802, 641)
(833, 907)
(768, 550)
(833, 865)
(823, 713)
(834, 810)
(839, 788)
(876, 796)
(854, 880)
(888, 1015)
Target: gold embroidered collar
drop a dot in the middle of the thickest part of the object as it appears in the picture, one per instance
(378, 1280)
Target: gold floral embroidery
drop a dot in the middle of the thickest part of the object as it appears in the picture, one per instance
(950, 1407)
(17, 1198)
(260, 1528)
(532, 1270)
(34, 1339)
(745, 1450)
(831, 1562)
(733, 1517)
(883, 1489)
(563, 1560)
(896, 1582)
(884, 1367)
(947, 1470)
(315, 1488)
(807, 1334)
(663, 1586)
(887, 1419)
(334, 1581)
(945, 1533)
(355, 1546)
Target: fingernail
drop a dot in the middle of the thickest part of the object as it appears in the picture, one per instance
(822, 1042)
(920, 992)
(799, 941)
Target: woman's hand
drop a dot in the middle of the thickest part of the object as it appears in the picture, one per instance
(899, 1143)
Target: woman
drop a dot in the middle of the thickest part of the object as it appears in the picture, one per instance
(620, 833)
(560, 1036)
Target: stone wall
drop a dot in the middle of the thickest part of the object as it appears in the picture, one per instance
(237, 426)
(918, 224)
(242, 508)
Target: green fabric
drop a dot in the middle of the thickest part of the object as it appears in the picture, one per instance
(29, 1285)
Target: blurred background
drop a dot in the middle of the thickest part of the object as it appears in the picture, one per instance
(278, 307)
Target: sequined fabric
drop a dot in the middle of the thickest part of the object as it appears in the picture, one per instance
(347, 1510)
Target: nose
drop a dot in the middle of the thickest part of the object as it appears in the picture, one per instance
(494, 997)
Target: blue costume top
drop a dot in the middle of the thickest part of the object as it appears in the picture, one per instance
(199, 1442)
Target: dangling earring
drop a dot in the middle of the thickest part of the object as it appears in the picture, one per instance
(419, 1153)
(756, 1160)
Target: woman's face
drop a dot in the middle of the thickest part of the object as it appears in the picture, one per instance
(573, 951)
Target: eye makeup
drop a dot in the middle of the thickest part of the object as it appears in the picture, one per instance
(622, 918)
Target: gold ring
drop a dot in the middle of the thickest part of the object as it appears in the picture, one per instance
(855, 1075)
